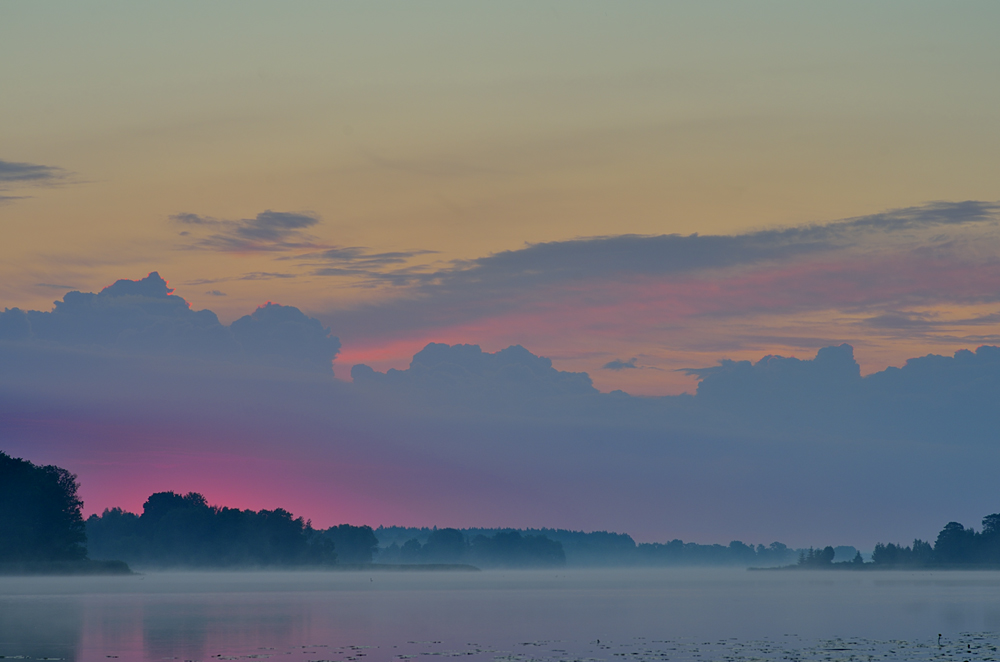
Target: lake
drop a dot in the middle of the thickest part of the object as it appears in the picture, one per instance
(626, 615)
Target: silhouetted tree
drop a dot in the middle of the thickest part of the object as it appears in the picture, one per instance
(411, 551)
(955, 545)
(920, 554)
(923, 553)
(183, 530)
(114, 534)
(354, 544)
(989, 540)
(40, 517)
(511, 550)
(600, 548)
(817, 558)
(445, 546)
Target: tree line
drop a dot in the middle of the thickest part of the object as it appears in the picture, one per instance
(177, 530)
(955, 546)
(506, 549)
(598, 548)
(41, 522)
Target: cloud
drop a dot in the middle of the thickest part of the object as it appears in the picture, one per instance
(942, 400)
(641, 287)
(286, 337)
(779, 378)
(359, 258)
(916, 320)
(364, 267)
(264, 275)
(777, 448)
(215, 293)
(145, 318)
(13, 174)
(253, 275)
(269, 231)
(459, 372)
(284, 232)
(618, 364)
(637, 255)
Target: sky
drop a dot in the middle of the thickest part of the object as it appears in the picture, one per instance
(636, 192)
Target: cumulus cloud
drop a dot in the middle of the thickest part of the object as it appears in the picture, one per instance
(144, 317)
(457, 374)
(936, 399)
(833, 371)
(495, 437)
(285, 336)
(268, 231)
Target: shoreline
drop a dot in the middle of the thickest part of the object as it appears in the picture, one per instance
(64, 568)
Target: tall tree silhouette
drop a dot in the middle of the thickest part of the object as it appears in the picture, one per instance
(40, 517)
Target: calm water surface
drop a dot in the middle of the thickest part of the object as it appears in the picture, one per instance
(616, 615)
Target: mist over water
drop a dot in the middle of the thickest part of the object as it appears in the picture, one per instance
(522, 615)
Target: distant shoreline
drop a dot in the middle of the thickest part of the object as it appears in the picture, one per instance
(406, 567)
(121, 568)
(64, 568)
(876, 567)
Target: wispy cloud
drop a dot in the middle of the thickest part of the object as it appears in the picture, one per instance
(723, 293)
(909, 321)
(664, 255)
(56, 286)
(917, 254)
(618, 364)
(283, 234)
(13, 173)
(253, 275)
(268, 231)
(364, 267)
(264, 275)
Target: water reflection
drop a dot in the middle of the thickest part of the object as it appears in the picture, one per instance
(620, 616)
(210, 626)
(40, 628)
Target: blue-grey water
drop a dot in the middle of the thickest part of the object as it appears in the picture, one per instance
(612, 615)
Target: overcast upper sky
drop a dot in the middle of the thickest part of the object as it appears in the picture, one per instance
(635, 191)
